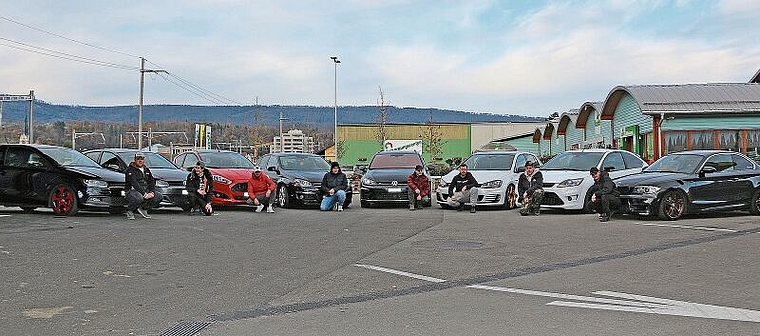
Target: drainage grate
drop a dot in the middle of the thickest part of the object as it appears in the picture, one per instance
(186, 328)
(459, 245)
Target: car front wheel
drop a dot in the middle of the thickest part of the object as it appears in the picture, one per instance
(672, 206)
(283, 201)
(754, 207)
(63, 200)
(511, 197)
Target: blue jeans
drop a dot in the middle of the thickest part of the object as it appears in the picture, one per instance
(329, 201)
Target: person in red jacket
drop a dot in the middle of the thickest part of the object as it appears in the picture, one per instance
(419, 188)
(260, 188)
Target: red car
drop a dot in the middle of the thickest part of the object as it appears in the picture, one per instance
(230, 170)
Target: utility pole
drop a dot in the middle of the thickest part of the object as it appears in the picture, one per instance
(140, 107)
(336, 61)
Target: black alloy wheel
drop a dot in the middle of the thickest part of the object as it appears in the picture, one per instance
(672, 206)
(283, 201)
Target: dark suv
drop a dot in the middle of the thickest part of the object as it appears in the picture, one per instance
(298, 177)
(385, 179)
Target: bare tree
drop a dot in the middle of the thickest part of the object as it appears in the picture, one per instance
(432, 139)
(381, 132)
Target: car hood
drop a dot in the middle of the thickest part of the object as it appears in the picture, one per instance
(652, 178)
(482, 176)
(97, 172)
(169, 174)
(308, 175)
(557, 176)
(232, 174)
(389, 175)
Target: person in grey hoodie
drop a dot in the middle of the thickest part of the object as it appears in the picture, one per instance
(334, 186)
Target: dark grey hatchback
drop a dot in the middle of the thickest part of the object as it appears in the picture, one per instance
(385, 179)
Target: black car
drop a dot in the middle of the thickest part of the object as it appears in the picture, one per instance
(384, 180)
(298, 177)
(170, 180)
(693, 182)
(33, 176)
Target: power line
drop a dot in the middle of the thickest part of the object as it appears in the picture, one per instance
(66, 38)
(59, 54)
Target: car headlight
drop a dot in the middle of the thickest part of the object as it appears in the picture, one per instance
(646, 190)
(221, 179)
(368, 181)
(302, 183)
(162, 184)
(491, 184)
(443, 184)
(96, 183)
(570, 183)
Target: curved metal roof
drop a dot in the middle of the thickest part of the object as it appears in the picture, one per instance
(756, 78)
(585, 112)
(735, 98)
(565, 120)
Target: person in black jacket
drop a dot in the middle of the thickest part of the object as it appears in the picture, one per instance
(140, 188)
(605, 198)
(334, 186)
(200, 187)
(463, 188)
(530, 189)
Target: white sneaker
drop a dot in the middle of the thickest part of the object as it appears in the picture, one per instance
(270, 209)
(340, 208)
(259, 208)
(143, 213)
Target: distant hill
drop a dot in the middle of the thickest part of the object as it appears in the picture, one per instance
(15, 112)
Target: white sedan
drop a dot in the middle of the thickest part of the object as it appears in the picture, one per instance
(496, 172)
(567, 178)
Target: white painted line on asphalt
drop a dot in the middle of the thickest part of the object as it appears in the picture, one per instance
(643, 304)
(688, 227)
(402, 273)
(5, 215)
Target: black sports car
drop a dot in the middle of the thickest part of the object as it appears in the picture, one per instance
(298, 177)
(385, 178)
(33, 176)
(693, 182)
(170, 180)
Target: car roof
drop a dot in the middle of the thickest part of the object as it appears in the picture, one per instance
(397, 152)
(597, 150)
(705, 152)
(293, 154)
(499, 152)
(214, 151)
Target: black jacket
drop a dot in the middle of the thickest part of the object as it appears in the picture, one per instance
(334, 181)
(459, 182)
(193, 183)
(536, 181)
(142, 181)
(604, 186)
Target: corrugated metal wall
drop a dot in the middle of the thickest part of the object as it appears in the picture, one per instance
(628, 113)
(685, 123)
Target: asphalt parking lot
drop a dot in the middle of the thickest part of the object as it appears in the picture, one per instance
(385, 271)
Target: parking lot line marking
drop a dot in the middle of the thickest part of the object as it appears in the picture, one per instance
(402, 273)
(642, 304)
(704, 228)
(5, 215)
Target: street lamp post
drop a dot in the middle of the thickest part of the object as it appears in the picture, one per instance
(336, 61)
(282, 140)
(140, 107)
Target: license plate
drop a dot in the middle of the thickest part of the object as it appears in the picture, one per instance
(394, 190)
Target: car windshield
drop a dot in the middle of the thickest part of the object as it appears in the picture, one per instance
(152, 160)
(490, 162)
(68, 157)
(397, 160)
(580, 161)
(676, 163)
(304, 163)
(226, 160)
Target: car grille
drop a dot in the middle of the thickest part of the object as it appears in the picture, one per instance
(176, 183)
(240, 187)
(551, 198)
(624, 190)
(383, 195)
(548, 185)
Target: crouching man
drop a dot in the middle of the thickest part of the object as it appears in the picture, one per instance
(463, 188)
(530, 188)
(140, 188)
(605, 198)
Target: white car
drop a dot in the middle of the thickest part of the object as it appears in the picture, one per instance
(567, 178)
(497, 173)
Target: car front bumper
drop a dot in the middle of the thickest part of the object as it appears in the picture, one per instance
(572, 198)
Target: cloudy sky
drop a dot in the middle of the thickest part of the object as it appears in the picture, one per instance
(507, 57)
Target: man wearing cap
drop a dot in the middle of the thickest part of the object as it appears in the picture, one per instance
(334, 186)
(260, 188)
(200, 187)
(463, 188)
(140, 188)
(605, 198)
(419, 188)
(530, 188)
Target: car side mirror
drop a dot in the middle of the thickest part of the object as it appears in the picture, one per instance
(520, 169)
(364, 170)
(708, 170)
(609, 169)
(273, 169)
(112, 166)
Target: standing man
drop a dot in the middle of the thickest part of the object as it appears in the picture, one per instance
(419, 188)
(605, 198)
(530, 188)
(199, 187)
(140, 188)
(334, 186)
(463, 187)
(260, 188)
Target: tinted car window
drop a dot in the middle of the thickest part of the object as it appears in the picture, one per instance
(110, 160)
(676, 163)
(521, 159)
(2, 156)
(152, 160)
(304, 163)
(721, 162)
(68, 157)
(614, 160)
(490, 161)
(17, 157)
(742, 163)
(581, 161)
(631, 161)
(93, 155)
(386, 161)
(224, 160)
